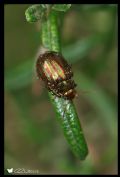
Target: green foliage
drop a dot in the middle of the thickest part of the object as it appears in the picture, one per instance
(38, 12)
(65, 109)
(70, 124)
(27, 117)
(68, 117)
(35, 13)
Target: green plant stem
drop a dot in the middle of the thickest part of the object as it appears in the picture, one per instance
(65, 109)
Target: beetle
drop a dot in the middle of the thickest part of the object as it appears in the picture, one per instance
(56, 73)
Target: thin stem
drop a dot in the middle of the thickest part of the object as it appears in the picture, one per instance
(65, 109)
(55, 38)
(46, 39)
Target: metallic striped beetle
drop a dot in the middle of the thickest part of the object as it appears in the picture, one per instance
(54, 70)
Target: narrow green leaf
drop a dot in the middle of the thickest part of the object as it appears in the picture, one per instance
(70, 123)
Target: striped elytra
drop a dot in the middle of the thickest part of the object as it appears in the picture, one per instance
(54, 70)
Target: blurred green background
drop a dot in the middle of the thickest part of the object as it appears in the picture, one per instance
(33, 137)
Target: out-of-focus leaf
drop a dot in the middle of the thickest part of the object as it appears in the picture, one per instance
(20, 76)
(110, 154)
(31, 128)
(81, 48)
(101, 61)
(100, 101)
(87, 167)
(95, 7)
(61, 7)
